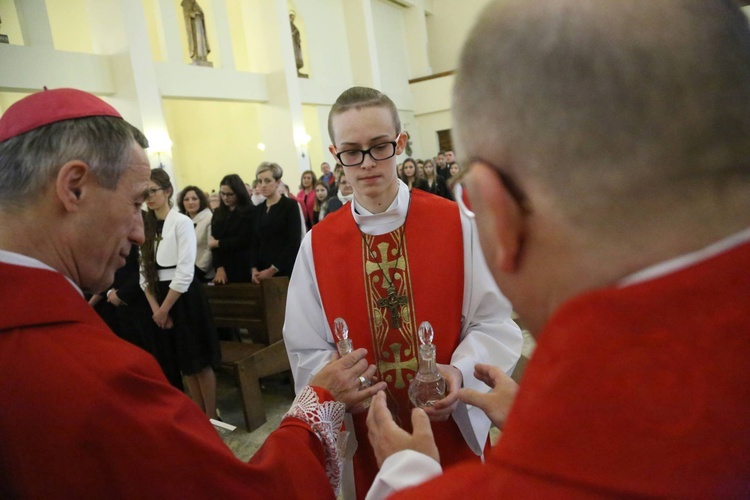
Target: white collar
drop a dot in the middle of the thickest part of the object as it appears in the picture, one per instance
(382, 223)
(17, 259)
(686, 260)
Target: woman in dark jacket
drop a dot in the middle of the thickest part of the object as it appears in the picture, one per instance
(231, 232)
(410, 176)
(278, 228)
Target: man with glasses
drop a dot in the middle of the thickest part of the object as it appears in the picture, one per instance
(380, 267)
(609, 171)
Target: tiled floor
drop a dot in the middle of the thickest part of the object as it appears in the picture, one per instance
(278, 395)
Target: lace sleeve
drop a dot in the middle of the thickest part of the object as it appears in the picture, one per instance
(326, 420)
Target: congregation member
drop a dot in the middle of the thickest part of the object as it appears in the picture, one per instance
(214, 201)
(257, 198)
(192, 202)
(123, 305)
(306, 197)
(277, 228)
(326, 174)
(321, 201)
(442, 168)
(410, 176)
(232, 232)
(436, 183)
(376, 264)
(343, 195)
(187, 345)
(611, 185)
(84, 413)
(454, 169)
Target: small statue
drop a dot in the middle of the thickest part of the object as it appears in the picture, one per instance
(428, 386)
(297, 43)
(195, 23)
(3, 38)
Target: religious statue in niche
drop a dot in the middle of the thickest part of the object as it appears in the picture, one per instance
(297, 43)
(3, 38)
(195, 23)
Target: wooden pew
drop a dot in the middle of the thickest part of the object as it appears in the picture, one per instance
(260, 310)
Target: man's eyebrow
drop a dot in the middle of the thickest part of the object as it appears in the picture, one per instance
(384, 136)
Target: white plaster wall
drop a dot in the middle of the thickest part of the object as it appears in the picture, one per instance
(448, 28)
(390, 35)
(327, 49)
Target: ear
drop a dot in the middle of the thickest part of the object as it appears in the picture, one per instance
(332, 150)
(71, 181)
(499, 218)
(401, 143)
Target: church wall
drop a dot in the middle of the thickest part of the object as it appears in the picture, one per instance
(69, 20)
(237, 33)
(152, 21)
(211, 139)
(328, 53)
(10, 25)
(390, 35)
(432, 106)
(448, 28)
(7, 99)
(198, 101)
(429, 124)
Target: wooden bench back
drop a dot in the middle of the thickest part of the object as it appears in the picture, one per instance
(259, 309)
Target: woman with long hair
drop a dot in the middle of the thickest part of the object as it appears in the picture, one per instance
(278, 231)
(410, 177)
(321, 201)
(192, 201)
(306, 196)
(231, 232)
(187, 339)
(436, 183)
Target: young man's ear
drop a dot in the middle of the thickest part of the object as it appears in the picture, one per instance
(71, 182)
(499, 218)
(401, 141)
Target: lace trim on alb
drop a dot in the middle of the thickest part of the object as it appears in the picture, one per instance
(326, 420)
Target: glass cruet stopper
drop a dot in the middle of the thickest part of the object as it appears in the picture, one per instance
(428, 386)
(344, 344)
(341, 334)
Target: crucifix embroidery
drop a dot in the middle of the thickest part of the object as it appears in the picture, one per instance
(392, 301)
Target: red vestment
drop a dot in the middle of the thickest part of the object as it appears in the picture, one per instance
(84, 414)
(641, 390)
(425, 268)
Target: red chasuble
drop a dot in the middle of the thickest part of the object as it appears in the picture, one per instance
(384, 287)
(84, 414)
(640, 391)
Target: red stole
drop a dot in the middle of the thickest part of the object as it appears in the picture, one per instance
(423, 260)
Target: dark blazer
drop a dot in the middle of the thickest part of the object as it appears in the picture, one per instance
(234, 230)
(277, 236)
(440, 188)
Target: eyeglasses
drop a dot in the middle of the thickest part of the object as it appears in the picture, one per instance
(378, 152)
(153, 191)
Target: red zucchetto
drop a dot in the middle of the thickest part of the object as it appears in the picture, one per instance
(50, 106)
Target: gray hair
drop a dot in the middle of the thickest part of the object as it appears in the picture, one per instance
(275, 169)
(31, 160)
(601, 99)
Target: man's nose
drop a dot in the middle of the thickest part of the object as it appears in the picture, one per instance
(137, 236)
